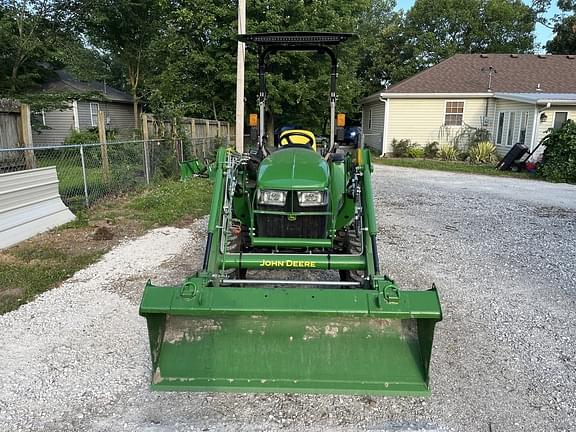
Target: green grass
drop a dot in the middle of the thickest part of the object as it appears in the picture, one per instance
(462, 167)
(36, 269)
(171, 200)
(40, 263)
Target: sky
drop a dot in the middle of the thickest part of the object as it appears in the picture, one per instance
(543, 34)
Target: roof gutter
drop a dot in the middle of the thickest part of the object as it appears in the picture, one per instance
(434, 95)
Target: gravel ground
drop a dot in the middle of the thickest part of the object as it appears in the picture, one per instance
(502, 252)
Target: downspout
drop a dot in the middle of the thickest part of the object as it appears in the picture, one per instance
(385, 131)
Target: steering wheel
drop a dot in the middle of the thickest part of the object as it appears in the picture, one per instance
(290, 134)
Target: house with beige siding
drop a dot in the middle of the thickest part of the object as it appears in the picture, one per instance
(516, 98)
(52, 127)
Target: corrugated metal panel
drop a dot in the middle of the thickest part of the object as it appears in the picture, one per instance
(59, 125)
(30, 204)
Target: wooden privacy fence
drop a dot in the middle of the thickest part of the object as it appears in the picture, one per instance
(201, 135)
(15, 131)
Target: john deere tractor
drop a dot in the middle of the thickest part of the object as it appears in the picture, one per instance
(298, 211)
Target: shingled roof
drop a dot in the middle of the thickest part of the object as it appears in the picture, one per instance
(514, 73)
(67, 83)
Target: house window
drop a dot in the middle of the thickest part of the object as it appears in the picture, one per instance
(511, 126)
(94, 108)
(559, 119)
(500, 128)
(454, 113)
(522, 130)
(370, 119)
(39, 118)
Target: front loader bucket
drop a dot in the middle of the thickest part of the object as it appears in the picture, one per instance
(290, 340)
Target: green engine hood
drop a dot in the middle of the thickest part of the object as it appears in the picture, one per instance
(294, 169)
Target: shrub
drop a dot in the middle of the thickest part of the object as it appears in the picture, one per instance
(82, 137)
(483, 152)
(448, 152)
(559, 161)
(431, 150)
(415, 152)
(478, 136)
(400, 147)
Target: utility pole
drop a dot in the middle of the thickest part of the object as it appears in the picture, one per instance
(240, 78)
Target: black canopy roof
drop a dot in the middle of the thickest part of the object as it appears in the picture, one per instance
(295, 39)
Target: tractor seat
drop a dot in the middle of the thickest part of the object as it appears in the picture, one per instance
(297, 138)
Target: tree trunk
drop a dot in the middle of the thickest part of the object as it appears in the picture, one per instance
(136, 113)
(13, 78)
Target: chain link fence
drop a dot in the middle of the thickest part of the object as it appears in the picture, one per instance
(88, 172)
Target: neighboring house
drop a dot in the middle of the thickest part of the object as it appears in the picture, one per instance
(83, 114)
(516, 97)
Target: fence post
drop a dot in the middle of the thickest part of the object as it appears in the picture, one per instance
(145, 137)
(26, 127)
(103, 146)
(178, 149)
(206, 137)
(84, 176)
(194, 137)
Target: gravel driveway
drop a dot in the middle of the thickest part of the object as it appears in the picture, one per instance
(502, 252)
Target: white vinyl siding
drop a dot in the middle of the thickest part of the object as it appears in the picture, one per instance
(422, 120)
(373, 124)
(545, 126)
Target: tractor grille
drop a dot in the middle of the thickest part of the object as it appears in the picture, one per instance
(313, 226)
(280, 226)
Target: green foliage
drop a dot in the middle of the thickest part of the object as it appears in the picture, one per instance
(559, 161)
(82, 137)
(431, 150)
(564, 40)
(438, 29)
(478, 135)
(448, 152)
(483, 152)
(415, 152)
(35, 269)
(401, 147)
(171, 200)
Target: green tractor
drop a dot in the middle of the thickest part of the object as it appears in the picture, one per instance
(300, 212)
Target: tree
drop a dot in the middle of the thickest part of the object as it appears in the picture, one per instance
(564, 41)
(438, 29)
(123, 29)
(380, 51)
(27, 35)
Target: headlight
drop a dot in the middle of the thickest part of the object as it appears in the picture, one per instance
(312, 198)
(353, 133)
(272, 197)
